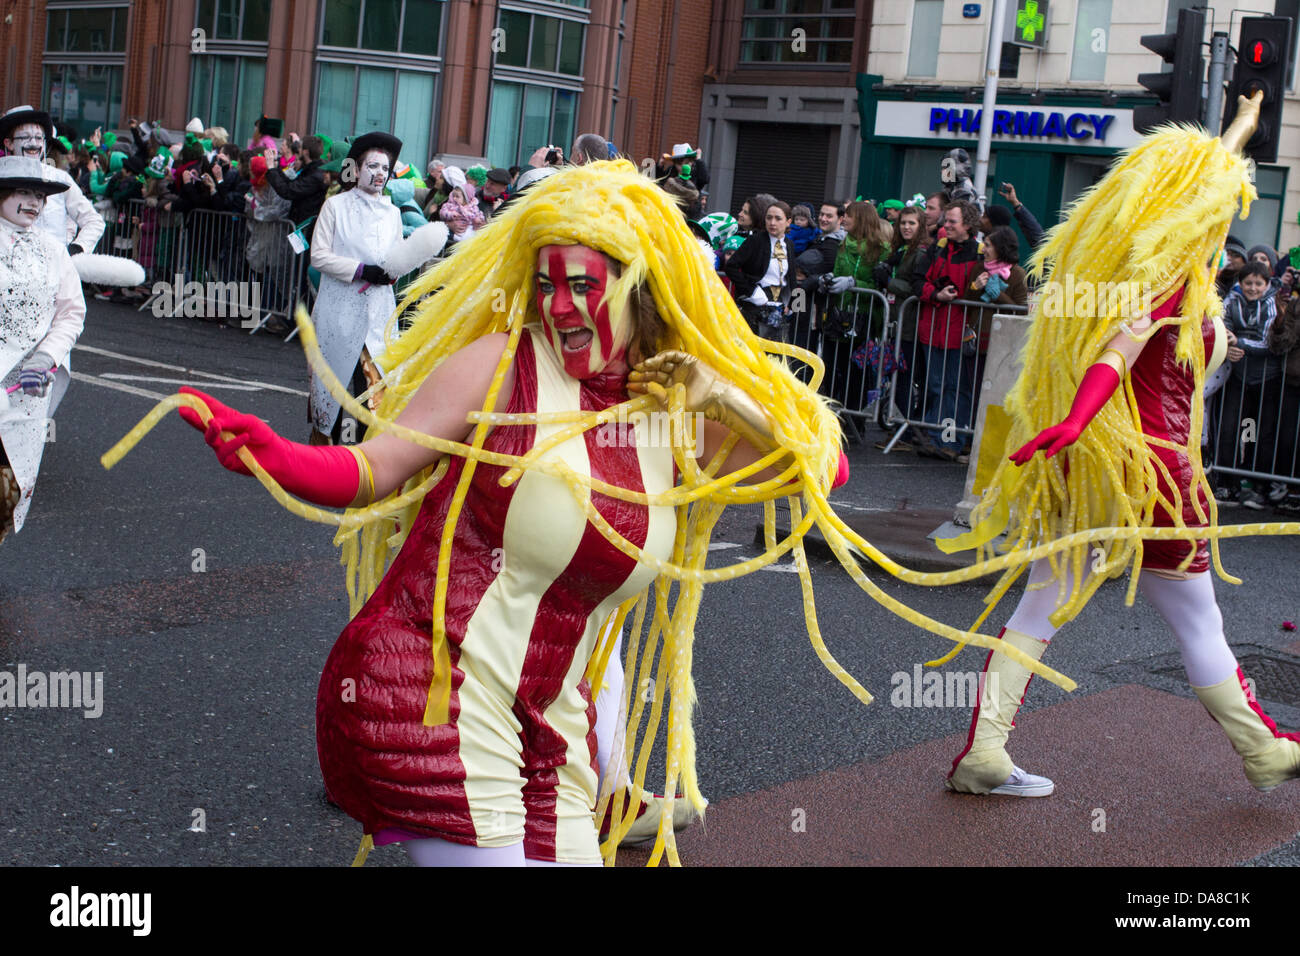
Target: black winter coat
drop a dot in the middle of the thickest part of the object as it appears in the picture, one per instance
(306, 192)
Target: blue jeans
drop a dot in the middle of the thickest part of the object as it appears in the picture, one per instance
(945, 400)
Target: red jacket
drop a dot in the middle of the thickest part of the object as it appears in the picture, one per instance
(941, 324)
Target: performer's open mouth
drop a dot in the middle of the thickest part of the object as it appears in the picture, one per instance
(32, 211)
(575, 340)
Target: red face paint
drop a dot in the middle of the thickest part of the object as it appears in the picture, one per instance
(571, 285)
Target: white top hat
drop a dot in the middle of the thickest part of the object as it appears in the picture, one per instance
(682, 151)
(23, 172)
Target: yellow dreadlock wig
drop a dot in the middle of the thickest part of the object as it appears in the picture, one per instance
(1153, 223)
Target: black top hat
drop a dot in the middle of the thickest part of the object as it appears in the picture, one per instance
(25, 114)
(23, 172)
(384, 142)
(270, 127)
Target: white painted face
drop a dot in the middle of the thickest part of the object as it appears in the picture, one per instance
(22, 207)
(374, 172)
(27, 140)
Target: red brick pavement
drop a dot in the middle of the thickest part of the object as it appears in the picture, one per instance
(1167, 779)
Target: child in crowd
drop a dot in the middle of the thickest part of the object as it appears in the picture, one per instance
(1254, 389)
(461, 213)
(802, 231)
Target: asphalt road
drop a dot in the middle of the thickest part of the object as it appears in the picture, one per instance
(210, 610)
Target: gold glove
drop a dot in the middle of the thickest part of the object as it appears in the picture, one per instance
(707, 392)
(1236, 136)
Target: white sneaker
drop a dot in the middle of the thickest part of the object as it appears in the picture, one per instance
(1276, 492)
(1021, 784)
(646, 827)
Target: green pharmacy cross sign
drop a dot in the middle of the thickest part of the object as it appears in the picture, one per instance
(1028, 27)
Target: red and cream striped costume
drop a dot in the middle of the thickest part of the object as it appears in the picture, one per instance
(531, 583)
(1165, 389)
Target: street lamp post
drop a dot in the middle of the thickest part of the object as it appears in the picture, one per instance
(992, 62)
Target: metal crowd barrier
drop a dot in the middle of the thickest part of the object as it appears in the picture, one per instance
(209, 263)
(221, 264)
(847, 335)
(1252, 419)
(933, 387)
(1252, 428)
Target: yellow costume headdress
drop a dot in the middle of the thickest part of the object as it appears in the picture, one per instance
(1155, 222)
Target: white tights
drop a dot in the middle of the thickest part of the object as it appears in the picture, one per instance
(1188, 607)
(611, 726)
(434, 852)
(609, 718)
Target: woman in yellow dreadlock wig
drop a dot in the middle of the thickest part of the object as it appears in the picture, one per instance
(1129, 300)
(544, 459)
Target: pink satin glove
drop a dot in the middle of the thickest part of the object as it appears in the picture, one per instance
(1098, 385)
(322, 474)
(842, 472)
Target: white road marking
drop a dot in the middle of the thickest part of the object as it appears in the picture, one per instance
(722, 545)
(848, 506)
(129, 389)
(189, 371)
(787, 568)
(122, 377)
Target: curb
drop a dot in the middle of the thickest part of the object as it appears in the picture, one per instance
(903, 535)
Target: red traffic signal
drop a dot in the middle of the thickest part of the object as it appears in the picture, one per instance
(1263, 49)
(1259, 53)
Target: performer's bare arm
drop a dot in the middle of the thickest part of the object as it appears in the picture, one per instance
(742, 454)
(1128, 347)
(439, 408)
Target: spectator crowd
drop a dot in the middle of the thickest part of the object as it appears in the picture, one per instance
(830, 276)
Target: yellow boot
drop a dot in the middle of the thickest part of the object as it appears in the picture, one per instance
(984, 767)
(1268, 757)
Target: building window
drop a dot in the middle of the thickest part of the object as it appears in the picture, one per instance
(389, 81)
(1091, 40)
(797, 31)
(618, 65)
(354, 99)
(523, 118)
(227, 91)
(923, 53)
(394, 26)
(84, 65)
(234, 19)
(535, 80)
(1171, 13)
(84, 96)
(83, 30)
(1009, 65)
(1265, 222)
(534, 42)
(228, 79)
(1290, 8)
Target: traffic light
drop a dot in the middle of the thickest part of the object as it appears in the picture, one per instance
(1179, 91)
(1263, 52)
